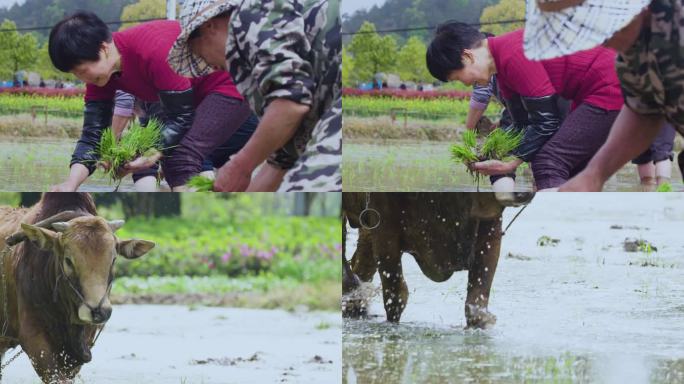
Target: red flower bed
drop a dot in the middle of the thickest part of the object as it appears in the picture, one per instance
(48, 92)
(406, 94)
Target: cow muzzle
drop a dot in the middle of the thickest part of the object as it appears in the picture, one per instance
(97, 316)
(513, 199)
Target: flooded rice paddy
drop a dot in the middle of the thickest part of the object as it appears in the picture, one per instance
(35, 164)
(404, 165)
(174, 344)
(583, 311)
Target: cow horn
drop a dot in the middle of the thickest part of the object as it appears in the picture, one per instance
(60, 226)
(20, 236)
(115, 224)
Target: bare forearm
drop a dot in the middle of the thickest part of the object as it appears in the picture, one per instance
(276, 128)
(119, 123)
(474, 115)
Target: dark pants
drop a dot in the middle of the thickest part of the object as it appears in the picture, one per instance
(221, 155)
(217, 119)
(660, 149)
(579, 137)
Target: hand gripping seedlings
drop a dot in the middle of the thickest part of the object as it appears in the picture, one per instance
(135, 142)
(201, 183)
(496, 146)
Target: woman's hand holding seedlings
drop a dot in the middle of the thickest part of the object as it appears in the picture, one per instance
(495, 167)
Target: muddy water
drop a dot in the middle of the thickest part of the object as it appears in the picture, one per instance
(36, 164)
(173, 344)
(426, 166)
(584, 311)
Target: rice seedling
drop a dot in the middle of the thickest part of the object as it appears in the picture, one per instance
(664, 187)
(135, 142)
(496, 146)
(500, 143)
(201, 183)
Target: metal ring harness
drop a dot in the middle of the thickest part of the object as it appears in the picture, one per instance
(368, 213)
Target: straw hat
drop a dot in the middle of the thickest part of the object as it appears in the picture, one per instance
(560, 27)
(192, 15)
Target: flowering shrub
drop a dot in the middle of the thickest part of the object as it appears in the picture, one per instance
(302, 248)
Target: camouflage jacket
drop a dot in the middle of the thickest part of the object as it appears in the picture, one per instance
(651, 72)
(286, 49)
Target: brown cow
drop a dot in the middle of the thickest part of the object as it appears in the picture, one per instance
(57, 279)
(444, 232)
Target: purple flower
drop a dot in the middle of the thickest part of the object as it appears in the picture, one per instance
(226, 256)
(245, 251)
(265, 255)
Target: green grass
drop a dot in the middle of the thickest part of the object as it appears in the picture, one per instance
(55, 105)
(665, 187)
(135, 142)
(263, 291)
(201, 183)
(435, 109)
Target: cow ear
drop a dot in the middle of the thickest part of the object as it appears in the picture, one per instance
(134, 248)
(44, 238)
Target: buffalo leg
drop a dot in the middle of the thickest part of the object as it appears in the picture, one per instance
(481, 274)
(394, 289)
(349, 281)
(363, 262)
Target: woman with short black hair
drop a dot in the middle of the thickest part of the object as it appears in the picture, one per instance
(531, 90)
(197, 115)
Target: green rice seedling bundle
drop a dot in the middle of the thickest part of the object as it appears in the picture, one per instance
(665, 187)
(496, 146)
(135, 142)
(201, 183)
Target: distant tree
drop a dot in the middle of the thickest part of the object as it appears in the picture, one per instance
(505, 10)
(411, 61)
(41, 13)
(303, 202)
(372, 53)
(29, 198)
(150, 204)
(144, 9)
(43, 66)
(400, 14)
(17, 51)
(347, 68)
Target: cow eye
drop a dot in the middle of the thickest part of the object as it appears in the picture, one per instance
(68, 262)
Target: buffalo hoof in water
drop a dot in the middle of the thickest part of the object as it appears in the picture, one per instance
(355, 303)
(478, 317)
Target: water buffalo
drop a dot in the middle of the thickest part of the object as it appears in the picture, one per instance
(57, 270)
(444, 232)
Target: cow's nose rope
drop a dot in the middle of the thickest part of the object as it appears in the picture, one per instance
(513, 220)
(5, 311)
(368, 212)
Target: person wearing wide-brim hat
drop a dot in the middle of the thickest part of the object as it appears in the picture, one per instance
(285, 58)
(649, 66)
